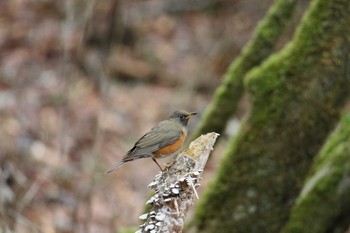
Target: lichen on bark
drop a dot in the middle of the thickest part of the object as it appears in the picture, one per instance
(176, 188)
(297, 96)
(228, 94)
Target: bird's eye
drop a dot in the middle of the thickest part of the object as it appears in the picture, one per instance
(182, 117)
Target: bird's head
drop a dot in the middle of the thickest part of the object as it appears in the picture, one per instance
(181, 116)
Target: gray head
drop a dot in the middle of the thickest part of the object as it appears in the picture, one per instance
(181, 116)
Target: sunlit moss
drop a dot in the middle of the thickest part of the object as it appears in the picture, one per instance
(227, 96)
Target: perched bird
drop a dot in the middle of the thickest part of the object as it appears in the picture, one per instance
(163, 140)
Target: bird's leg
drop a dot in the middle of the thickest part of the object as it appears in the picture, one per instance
(157, 164)
(170, 163)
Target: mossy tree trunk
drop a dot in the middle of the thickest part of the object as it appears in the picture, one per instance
(228, 95)
(325, 198)
(297, 95)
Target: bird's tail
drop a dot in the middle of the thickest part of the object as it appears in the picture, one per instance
(115, 166)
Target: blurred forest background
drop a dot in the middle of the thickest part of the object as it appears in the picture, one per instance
(81, 81)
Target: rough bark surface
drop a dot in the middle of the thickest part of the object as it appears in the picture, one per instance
(324, 200)
(176, 188)
(297, 95)
(228, 95)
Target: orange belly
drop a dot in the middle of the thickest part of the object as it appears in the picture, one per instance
(169, 149)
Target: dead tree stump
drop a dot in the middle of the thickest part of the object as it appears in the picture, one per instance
(175, 188)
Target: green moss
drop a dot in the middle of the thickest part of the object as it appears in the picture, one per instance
(325, 198)
(297, 95)
(227, 96)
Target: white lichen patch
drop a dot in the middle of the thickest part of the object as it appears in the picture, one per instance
(150, 201)
(149, 227)
(182, 179)
(160, 217)
(158, 224)
(153, 184)
(196, 173)
(175, 191)
(144, 216)
(158, 175)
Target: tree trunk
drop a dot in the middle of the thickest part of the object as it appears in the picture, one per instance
(325, 198)
(296, 99)
(228, 95)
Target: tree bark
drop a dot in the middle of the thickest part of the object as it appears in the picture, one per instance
(297, 95)
(176, 188)
(228, 95)
(324, 200)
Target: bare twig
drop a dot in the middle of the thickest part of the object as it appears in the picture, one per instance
(175, 188)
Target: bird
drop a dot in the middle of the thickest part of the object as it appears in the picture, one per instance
(163, 140)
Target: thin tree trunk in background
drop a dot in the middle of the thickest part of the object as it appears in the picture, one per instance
(324, 200)
(228, 95)
(296, 99)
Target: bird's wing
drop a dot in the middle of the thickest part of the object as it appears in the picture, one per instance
(163, 134)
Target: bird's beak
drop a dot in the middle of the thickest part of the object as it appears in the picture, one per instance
(191, 115)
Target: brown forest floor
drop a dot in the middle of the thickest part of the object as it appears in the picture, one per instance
(77, 89)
